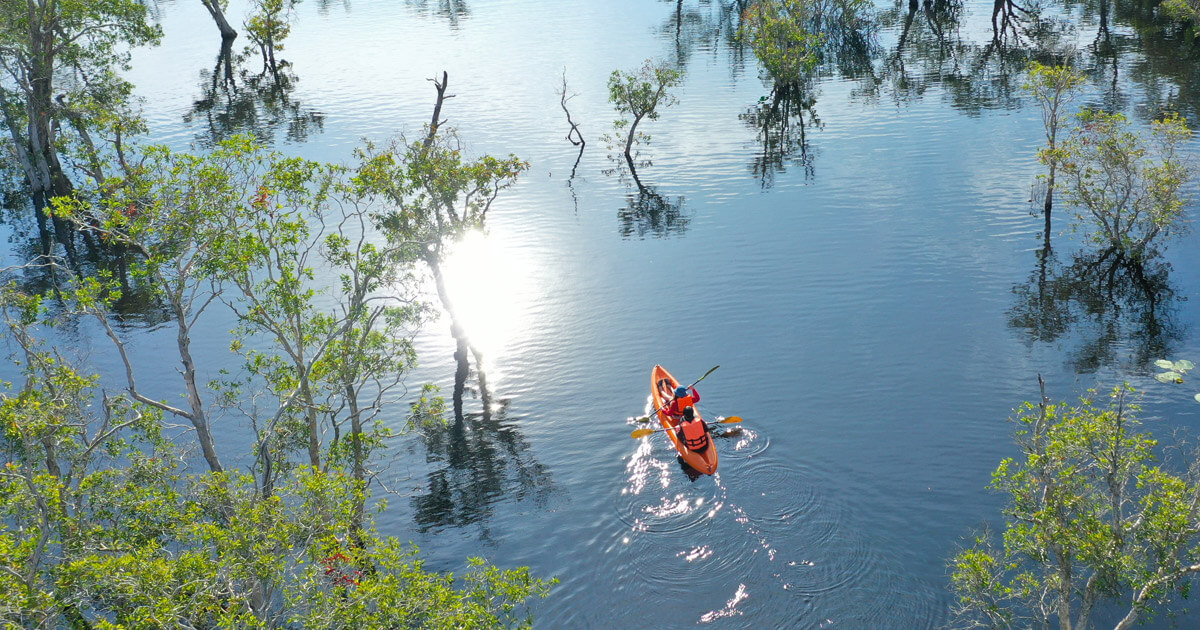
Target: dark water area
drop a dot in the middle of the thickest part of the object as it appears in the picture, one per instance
(874, 294)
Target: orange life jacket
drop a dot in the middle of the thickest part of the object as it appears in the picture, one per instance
(681, 403)
(694, 435)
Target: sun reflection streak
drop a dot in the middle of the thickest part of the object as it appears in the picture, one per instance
(730, 608)
(485, 282)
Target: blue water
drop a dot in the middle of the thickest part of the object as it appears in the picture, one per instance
(860, 308)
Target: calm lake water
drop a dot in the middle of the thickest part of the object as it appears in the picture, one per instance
(871, 300)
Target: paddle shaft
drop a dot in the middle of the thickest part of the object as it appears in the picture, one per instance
(640, 433)
(646, 418)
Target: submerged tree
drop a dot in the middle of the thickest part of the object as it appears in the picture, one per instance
(439, 196)
(1129, 187)
(61, 60)
(788, 52)
(1053, 87)
(1092, 518)
(267, 27)
(216, 9)
(780, 35)
(638, 96)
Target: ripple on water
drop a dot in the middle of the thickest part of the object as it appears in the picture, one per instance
(764, 523)
(737, 443)
(658, 497)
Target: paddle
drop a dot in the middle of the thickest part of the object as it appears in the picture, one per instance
(641, 433)
(647, 418)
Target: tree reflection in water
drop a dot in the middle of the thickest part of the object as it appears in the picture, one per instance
(780, 121)
(647, 213)
(479, 461)
(236, 101)
(931, 50)
(1122, 311)
(451, 10)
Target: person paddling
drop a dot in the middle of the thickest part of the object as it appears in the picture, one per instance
(693, 431)
(683, 399)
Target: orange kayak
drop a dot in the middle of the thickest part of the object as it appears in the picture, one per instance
(662, 388)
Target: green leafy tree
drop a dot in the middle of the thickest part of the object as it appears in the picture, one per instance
(437, 196)
(638, 96)
(780, 37)
(268, 25)
(1127, 185)
(1091, 518)
(333, 302)
(1053, 87)
(100, 528)
(325, 312)
(61, 60)
(166, 215)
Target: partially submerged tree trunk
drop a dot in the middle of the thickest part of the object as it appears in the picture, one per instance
(218, 16)
(463, 349)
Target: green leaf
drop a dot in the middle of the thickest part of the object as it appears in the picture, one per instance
(1183, 366)
(1169, 377)
(1165, 364)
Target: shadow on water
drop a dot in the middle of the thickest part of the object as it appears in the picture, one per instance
(1121, 312)
(236, 101)
(1135, 50)
(478, 462)
(648, 213)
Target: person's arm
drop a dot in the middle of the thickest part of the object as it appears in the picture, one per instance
(695, 396)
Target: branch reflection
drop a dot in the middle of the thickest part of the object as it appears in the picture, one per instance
(1120, 312)
(260, 104)
(480, 461)
(780, 121)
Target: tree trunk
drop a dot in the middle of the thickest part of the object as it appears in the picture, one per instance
(629, 139)
(195, 402)
(310, 414)
(1049, 203)
(462, 347)
(218, 16)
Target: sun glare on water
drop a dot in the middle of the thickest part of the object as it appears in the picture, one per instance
(485, 283)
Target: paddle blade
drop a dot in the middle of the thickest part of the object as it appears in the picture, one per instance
(731, 420)
(640, 433)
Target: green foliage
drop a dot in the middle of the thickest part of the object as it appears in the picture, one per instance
(638, 95)
(1182, 10)
(779, 35)
(100, 528)
(1091, 517)
(1053, 87)
(438, 194)
(1128, 186)
(429, 410)
(267, 27)
(62, 59)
